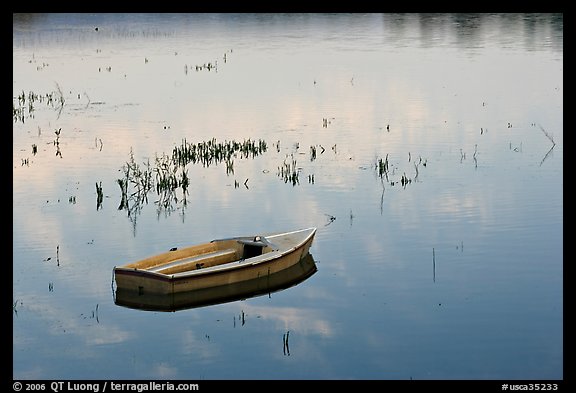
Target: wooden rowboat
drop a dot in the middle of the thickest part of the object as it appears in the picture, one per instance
(264, 285)
(216, 263)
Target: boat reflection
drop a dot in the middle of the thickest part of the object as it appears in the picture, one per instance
(284, 279)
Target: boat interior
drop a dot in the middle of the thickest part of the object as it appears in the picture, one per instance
(215, 253)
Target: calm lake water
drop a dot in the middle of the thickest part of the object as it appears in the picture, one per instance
(426, 149)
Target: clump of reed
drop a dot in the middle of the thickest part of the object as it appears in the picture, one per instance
(382, 167)
(169, 178)
(57, 142)
(169, 175)
(312, 153)
(288, 171)
(135, 185)
(213, 152)
(24, 107)
(208, 66)
(384, 171)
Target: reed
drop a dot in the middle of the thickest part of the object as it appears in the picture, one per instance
(285, 338)
(382, 167)
(123, 183)
(99, 196)
(474, 156)
(549, 136)
(95, 313)
(229, 166)
(57, 142)
(312, 153)
(433, 265)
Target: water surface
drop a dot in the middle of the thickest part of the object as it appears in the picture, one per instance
(446, 263)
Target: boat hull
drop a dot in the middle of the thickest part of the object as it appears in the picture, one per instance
(177, 301)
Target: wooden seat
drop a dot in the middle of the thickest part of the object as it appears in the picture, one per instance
(197, 262)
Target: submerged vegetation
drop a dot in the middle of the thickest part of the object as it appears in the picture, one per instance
(288, 171)
(25, 104)
(168, 177)
(169, 174)
(135, 185)
(213, 152)
(387, 173)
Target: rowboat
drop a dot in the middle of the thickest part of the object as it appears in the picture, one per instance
(263, 285)
(217, 263)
